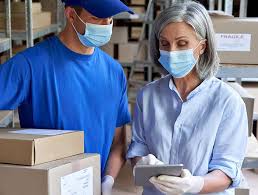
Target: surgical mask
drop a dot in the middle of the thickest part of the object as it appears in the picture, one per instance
(95, 35)
(178, 63)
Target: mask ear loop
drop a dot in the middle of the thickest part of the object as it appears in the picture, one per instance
(79, 17)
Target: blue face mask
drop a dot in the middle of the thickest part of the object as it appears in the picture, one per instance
(178, 63)
(95, 35)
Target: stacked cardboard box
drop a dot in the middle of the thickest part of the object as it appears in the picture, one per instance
(138, 2)
(128, 52)
(39, 18)
(46, 162)
(236, 39)
(119, 36)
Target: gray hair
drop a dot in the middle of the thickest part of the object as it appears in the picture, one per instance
(197, 16)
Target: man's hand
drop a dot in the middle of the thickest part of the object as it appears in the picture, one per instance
(107, 185)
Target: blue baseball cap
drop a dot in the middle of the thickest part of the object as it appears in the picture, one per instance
(100, 8)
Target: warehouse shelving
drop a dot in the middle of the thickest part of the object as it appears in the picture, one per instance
(6, 117)
(30, 34)
(5, 40)
(4, 44)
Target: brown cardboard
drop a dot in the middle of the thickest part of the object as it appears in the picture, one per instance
(109, 49)
(120, 35)
(46, 179)
(127, 52)
(138, 2)
(40, 20)
(19, 7)
(249, 103)
(25, 149)
(239, 27)
(136, 32)
(138, 9)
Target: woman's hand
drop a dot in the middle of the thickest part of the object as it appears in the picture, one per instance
(170, 185)
(150, 159)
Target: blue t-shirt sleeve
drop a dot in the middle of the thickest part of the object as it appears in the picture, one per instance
(231, 141)
(123, 116)
(14, 82)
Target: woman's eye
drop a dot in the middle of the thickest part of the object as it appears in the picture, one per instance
(164, 43)
(182, 43)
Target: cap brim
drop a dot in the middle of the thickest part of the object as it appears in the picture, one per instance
(107, 8)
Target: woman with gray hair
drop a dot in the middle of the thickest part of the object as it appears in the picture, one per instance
(189, 117)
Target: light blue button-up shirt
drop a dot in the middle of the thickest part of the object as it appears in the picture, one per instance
(206, 132)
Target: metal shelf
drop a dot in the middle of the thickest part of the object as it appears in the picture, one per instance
(4, 44)
(6, 118)
(127, 16)
(20, 35)
(238, 71)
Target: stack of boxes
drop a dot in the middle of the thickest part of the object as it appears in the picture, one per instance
(46, 162)
(40, 18)
(236, 39)
(236, 45)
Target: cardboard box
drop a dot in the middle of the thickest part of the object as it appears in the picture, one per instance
(236, 40)
(39, 20)
(35, 146)
(109, 49)
(138, 9)
(127, 52)
(138, 2)
(19, 7)
(120, 35)
(74, 175)
(249, 103)
(136, 32)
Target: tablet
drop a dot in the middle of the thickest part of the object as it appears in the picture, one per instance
(144, 172)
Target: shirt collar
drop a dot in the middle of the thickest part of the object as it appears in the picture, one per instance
(198, 89)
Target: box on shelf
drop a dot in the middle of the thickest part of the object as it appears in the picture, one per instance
(136, 32)
(127, 52)
(138, 2)
(40, 20)
(109, 49)
(19, 7)
(36, 146)
(120, 35)
(73, 175)
(249, 103)
(236, 40)
(138, 9)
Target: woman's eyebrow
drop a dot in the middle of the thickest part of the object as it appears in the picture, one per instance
(181, 37)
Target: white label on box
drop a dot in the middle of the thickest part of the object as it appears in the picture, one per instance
(78, 183)
(41, 132)
(233, 42)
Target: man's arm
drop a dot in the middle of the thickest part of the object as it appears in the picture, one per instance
(117, 153)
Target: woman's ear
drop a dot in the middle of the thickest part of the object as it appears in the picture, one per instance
(203, 46)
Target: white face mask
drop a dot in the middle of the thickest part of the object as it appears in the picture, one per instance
(95, 35)
(178, 63)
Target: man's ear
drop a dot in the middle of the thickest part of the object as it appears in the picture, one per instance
(70, 14)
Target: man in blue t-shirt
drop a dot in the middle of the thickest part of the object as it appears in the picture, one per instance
(67, 82)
